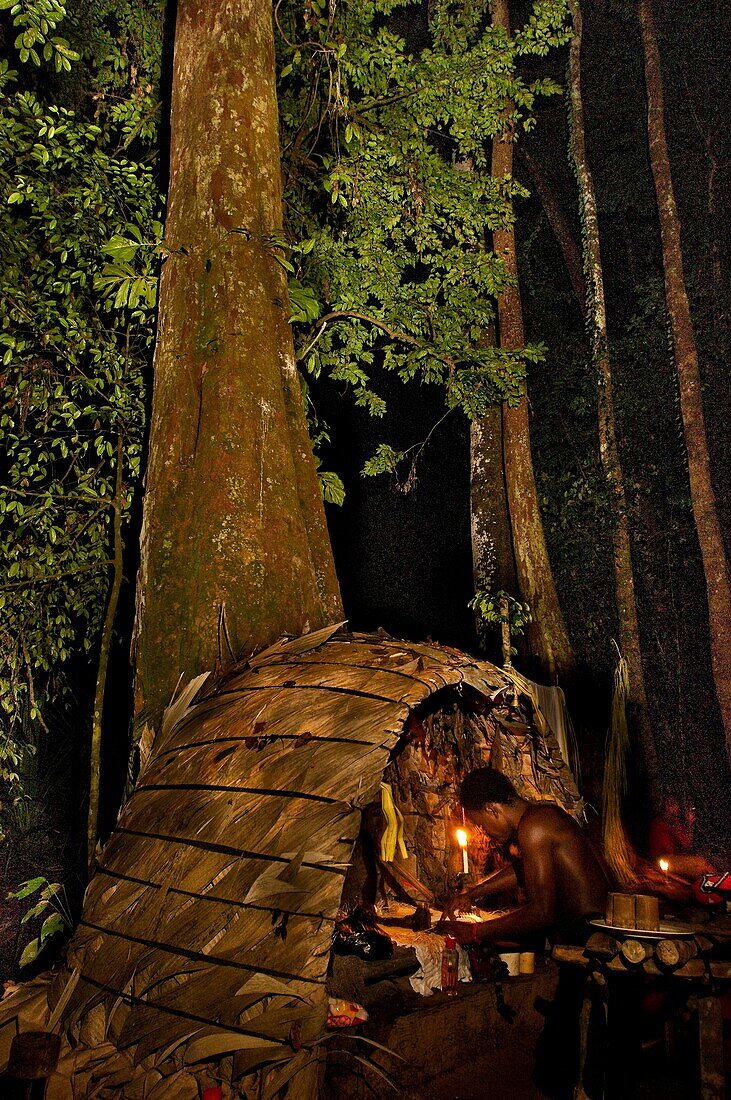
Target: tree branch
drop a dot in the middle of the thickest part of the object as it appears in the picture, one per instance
(104, 648)
(395, 334)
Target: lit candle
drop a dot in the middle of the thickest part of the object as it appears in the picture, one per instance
(664, 867)
(462, 841)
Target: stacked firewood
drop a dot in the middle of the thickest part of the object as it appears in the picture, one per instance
(687, 958)
(635, 940)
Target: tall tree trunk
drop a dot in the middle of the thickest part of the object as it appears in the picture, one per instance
(233, 516)
(705, 513)
(493, 564)
(547, 636)
(596, 319)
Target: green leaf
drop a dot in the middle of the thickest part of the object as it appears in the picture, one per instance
(384, 461)
(34, 912)
(121, 248)
(30, 953)
(30, 886)
(331, 487)
(52, 926)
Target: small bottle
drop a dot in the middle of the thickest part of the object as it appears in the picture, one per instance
(450, 966)
(422, 917)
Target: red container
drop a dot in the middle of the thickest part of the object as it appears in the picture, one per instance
(450, 966)
(212, 1092)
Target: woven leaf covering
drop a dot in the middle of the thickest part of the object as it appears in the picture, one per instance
(206, 929)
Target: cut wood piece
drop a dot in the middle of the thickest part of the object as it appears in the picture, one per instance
(672, 954)
(647, 912)
(601, 945)
(621, 910)
(567, 953)
(634, 952)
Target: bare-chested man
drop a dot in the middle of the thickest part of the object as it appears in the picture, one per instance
(563, 880)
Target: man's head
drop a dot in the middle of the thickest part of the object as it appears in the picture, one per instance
(490, 800)
(671, 809)
(677, 813)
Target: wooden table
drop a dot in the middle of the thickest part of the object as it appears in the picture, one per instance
(689, 954)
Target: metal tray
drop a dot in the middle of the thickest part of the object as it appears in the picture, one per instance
(668, 930)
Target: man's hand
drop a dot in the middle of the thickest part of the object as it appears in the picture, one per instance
(460, 902)
(460, 929)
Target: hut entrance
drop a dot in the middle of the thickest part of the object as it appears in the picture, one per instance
(413, 845)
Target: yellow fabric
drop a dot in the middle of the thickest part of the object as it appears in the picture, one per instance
(393, 834)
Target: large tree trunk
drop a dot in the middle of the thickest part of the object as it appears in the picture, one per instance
(233, 517)
(493, 563)
(705, 514)
(547, 636)
(596, 319)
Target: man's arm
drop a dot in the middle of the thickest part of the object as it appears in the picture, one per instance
(539, 912)
(499, 881)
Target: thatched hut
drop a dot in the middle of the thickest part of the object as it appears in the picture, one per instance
(207, 928)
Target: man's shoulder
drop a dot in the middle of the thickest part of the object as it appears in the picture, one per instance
(544, 819)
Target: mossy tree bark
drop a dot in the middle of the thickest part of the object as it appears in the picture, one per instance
(233, 516)
(596, 321)
(493, 564)
(547, 636)
(703, 498)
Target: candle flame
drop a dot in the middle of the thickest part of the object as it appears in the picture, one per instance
(462, 838)
(664, 865)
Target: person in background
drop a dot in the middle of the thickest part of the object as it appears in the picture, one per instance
(671, 838)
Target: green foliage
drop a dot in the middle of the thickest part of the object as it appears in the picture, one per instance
(120, 42)
(333, 490)
(386, 147)
(35, 21)
(494, 608)
(79, 232)
(384, 461)
(51, 896)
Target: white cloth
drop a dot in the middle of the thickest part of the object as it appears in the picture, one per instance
(552, 702)
(428, 947)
